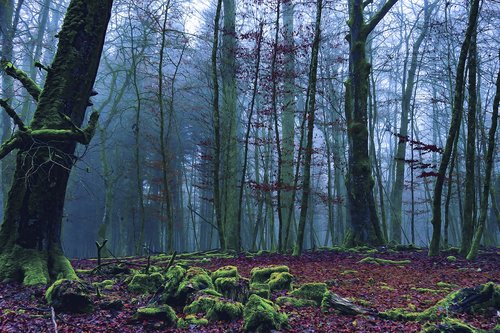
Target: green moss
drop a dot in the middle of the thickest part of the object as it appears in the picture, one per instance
(260, 289)
(195, 279)
(451, 258)
(174, 276)
(215, 308)
(348, 272)
(235, 288)
(295, 302)
(190, 321)
(226, 311)
(446, 285)
(262, 315)
(200, 305)
(262, 274)
(83, 271)
(427, 290)
(106, 284)
(379, 261)
(449, 325)
(225, 272)
(311, 291)
(280, 281)
(164, 313)
(145, 283)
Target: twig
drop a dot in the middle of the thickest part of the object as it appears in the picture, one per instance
(99, 248)
(53, 312)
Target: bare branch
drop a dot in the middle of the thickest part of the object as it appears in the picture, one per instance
(12, 113)
(378, 16)
(366, 3)
(33, 89)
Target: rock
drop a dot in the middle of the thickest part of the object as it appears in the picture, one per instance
(115, 304)
(225, 272)
(262, 274)
(215, 308)
(280, 281)
(162, 313)
(234, 288)
(146, 283)
(260, 289)
(311, 291)
(295, 302)
(70, 296)
(262, 315)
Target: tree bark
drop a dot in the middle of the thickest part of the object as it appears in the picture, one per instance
(453, 132)
(31, 249)
(365, 226)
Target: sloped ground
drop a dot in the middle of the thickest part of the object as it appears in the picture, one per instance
(414, 286)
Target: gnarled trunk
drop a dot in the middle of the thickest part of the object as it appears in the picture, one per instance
(30, 249)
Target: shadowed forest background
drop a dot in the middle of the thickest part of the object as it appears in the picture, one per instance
(278, 156)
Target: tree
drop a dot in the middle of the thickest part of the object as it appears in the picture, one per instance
(365, 226)
(30, 249)
(457, 111)
(311, 106)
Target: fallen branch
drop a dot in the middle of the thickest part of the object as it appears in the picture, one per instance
(54, 322)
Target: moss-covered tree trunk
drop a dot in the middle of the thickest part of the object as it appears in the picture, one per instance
(365, 226)
(30, 249)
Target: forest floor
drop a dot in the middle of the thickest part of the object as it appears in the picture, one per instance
(415, 286)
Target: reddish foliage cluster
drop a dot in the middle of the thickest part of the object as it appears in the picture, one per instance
(378, 287)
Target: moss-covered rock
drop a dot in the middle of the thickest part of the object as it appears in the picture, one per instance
(295, 302)
(225, 272)
(451, 258)
(215, 308)
(70, 296)
(262, 315)
(260, 289)
(196, 279)
(173, 278)
(262, 274)
(234, 288)
(225, 310)
(311, 291)
(162, 313)
(280, 281)
(145, 283)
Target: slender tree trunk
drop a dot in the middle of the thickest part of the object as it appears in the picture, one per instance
(217, 132)
(453, 132)
(30, 237)
(470, 154)
(287, 122)
(487, 178)
(311, 108)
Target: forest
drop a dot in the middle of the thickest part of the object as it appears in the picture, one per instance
(249, 166)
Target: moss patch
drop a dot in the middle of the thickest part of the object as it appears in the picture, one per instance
(449, 325)
(260, 289)
(295, 302)
(191, 321)
(262, 315)
(379, 261)
(234, 288)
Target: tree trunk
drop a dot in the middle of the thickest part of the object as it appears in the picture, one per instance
(365, 226)
(30, 236)
(306, 183)
(229, 128)
(453, 132)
